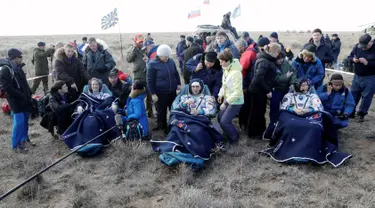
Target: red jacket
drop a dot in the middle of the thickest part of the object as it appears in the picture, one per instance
(247, 57)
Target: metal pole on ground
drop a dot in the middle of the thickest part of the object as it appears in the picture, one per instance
(51, 165)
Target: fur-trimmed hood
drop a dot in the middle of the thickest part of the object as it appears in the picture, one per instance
(60, 54)
(305, 52)
(101, 46)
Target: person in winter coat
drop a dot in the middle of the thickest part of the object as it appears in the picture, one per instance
(247, 38)
(189, 53)
(336, 47)
(98, 61)
(285, 77)
(230, 95)
(323, 51)
(138, 59)
(162, 81)
(135, 106)
(241, 45)
(40, 62)
(338, 100)
(261, 88)
(222, 42)
(181, 46)
(363, 84)
(70, 69)
(274, 38)
(308, 65)
(119, 88)
(206, 67)
(62, 105)
(226, 24)
(150, 48)
(247, 61)
(18, 94)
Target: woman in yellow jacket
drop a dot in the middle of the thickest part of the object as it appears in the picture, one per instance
(230, 95)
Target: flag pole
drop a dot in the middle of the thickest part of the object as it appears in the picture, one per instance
(119, 31)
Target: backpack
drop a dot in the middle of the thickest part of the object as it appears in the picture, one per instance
(133, 130)
(42, 104)
(3, 94)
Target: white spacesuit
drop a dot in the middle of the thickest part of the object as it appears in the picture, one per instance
(301, 101)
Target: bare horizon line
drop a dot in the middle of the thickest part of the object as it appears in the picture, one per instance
(255, 31)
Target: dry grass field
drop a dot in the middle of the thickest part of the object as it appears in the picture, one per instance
(131, 175)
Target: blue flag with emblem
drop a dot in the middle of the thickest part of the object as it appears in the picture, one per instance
(110, 20)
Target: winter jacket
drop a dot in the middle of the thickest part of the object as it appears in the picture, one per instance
(99, 64)
(59, 103)
(313, 71)
(41, 61)
(336, 48)
(121, 90)
(180, 49)
(226, 24)
(151, 55)
(231, 89)
(135, 109)
(71, 71)
(282, 81)
(247, 61)
(189, 53)
(211, 77)
(265, 74)
(162, 77)
(135, 57)
(323, 51)
(359, 68)
(13, 82)
(214, 47)
(338, 102)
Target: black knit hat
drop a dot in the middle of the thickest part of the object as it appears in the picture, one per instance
(336, 76)
(311, 48)
(190, 39)
(263, 42)
(138, 85)
(182, 36)
(211, 57)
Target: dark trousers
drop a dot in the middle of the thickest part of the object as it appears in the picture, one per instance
(36, 84)
(256, 123)
(225, 118)
(244, 112)
(276, 99)
(164, 102)
(149, 103)
(363, 87)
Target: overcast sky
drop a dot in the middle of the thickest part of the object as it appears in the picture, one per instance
(50, 17)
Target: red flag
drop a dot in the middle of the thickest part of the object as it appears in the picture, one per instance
(194, 13)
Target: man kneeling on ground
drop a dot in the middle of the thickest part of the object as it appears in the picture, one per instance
(338, 100)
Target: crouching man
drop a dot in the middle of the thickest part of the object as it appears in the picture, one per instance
(338, 100)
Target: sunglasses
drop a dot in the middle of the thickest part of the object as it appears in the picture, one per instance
(19, 56)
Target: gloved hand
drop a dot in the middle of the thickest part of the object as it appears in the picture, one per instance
(343, 116)
(79, 109)
(155, 98)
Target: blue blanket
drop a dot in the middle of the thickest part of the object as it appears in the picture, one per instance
(311, 137)
(89, 124)
(194, 135)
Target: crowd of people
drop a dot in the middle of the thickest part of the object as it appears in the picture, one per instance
(225, 79)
